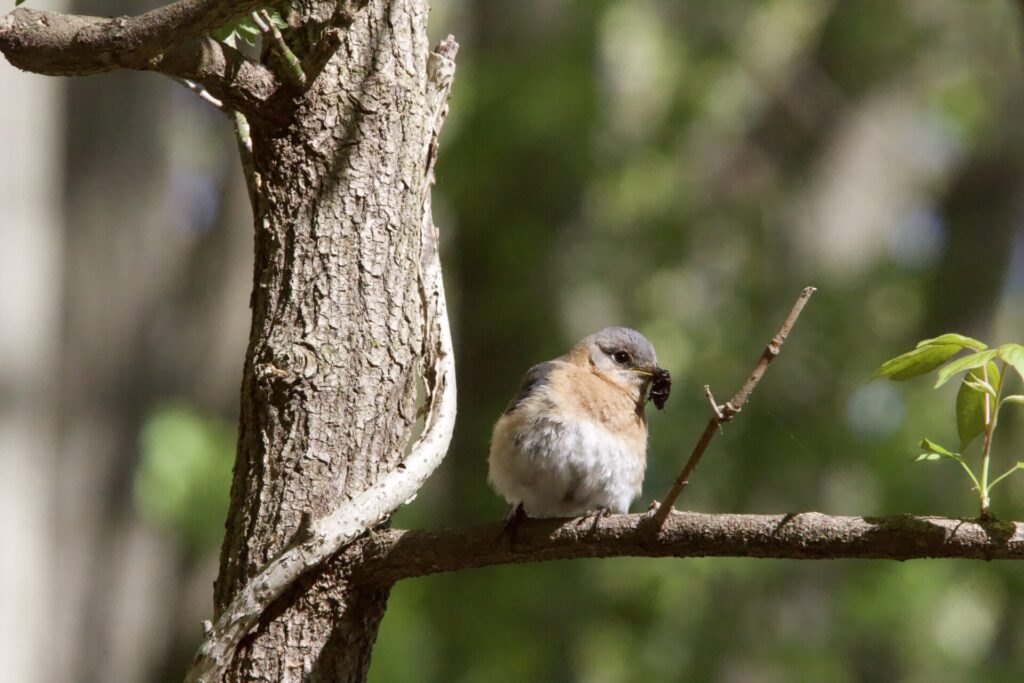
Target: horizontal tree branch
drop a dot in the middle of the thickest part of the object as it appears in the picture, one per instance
(168, 40)
(390, 556)
(242, 84)
(140, 36)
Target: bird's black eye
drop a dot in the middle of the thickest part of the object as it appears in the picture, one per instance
(621, 357)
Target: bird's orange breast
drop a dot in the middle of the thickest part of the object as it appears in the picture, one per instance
(585, 395)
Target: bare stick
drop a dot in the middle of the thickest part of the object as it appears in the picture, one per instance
(726, 412)
(243, 137)
(202, 92)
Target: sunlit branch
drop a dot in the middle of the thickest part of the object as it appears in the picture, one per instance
(168, 40)
(390, 556)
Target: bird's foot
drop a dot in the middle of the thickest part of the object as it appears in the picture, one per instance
(593, 517)
(513, 520)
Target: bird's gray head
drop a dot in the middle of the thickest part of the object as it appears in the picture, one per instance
(622, 355)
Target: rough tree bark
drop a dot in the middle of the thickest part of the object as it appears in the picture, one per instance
(329, 392)
(346, 289)
(348, 318)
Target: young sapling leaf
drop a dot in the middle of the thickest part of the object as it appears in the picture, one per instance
(1013, 354)
(916, 362)
(970, 403)
(980, 384)
(975, 360)
(953, 338)
(932, 447)
(978, 399)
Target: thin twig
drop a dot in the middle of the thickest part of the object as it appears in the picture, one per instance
(244, 139)
(202, 92)
(715, 408)
(727, 411)
(260, 23)
(293, 71)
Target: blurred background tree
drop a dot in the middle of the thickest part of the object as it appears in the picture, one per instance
(679, 167)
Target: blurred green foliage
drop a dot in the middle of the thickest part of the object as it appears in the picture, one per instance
(184, 475)
(685, 168)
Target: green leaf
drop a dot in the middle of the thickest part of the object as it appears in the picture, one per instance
(276, 20)
(970, 403)
(934, 448)
(245, 28)
(953, 338)
(224, 33)
(927, 456)
(975, 360)
(981, 385)
(1014, 355)
(1013, 398)
(18, 2)
(916, 362)
(247, 36)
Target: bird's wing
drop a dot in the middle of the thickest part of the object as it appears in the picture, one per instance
(536, 377)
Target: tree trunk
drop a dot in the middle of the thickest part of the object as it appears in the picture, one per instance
(331, 373)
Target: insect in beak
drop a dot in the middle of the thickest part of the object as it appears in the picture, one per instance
(661, 385)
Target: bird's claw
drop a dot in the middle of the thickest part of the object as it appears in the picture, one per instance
(593, 517)
(513, 520)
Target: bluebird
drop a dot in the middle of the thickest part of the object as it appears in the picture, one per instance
(574, 438)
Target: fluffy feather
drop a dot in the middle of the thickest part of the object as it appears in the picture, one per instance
(574, 439)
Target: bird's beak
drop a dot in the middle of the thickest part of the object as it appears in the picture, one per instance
(650, 371)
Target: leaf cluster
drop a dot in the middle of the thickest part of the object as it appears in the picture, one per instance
(978, 400)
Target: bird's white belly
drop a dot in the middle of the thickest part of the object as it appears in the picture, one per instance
(564, 468)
